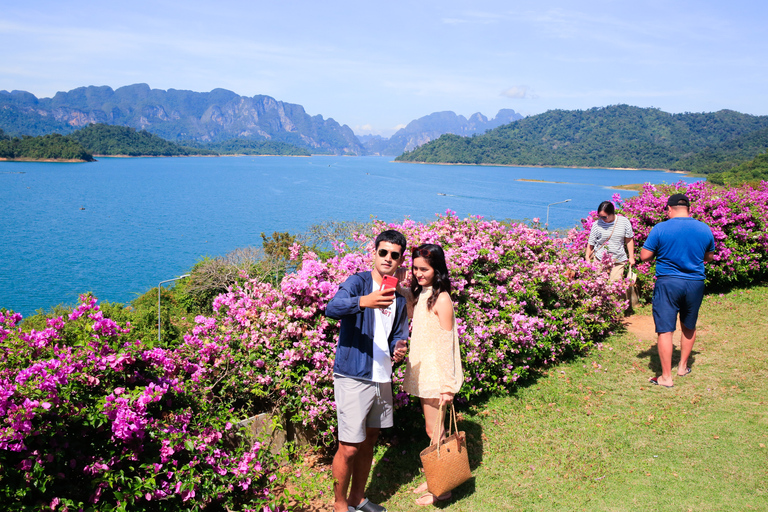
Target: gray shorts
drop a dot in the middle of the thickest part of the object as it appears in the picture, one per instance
(361, 404)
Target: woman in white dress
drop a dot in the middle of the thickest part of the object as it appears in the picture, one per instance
(433, 372)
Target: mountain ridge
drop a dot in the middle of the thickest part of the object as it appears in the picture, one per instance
(432, 126)
(177, 116)
(216, 117)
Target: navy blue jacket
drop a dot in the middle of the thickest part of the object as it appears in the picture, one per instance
(354, 352)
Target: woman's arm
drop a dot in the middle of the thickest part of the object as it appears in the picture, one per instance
(630, 250)
(590, 250)
(444, 311)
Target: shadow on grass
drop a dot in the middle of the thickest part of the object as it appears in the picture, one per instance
(654, 363)
(400, 464)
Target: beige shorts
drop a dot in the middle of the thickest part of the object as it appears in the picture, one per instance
(361, 404)
(617, 272)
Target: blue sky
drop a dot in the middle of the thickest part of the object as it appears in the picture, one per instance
(376, 66)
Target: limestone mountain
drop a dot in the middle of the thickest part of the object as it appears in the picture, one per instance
(432, 126)
(176, 115)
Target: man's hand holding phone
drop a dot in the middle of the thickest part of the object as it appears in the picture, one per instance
(383, 297)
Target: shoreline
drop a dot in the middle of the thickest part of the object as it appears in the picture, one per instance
(685, 173)
(75, 161)
(48, 160)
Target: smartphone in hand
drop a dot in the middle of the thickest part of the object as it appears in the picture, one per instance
(388, 282)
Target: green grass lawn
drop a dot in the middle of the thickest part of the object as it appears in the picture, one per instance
(594, 434)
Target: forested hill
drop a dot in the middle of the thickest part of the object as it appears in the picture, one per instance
(752, 172)
(109, 140)
(52, 147)
(618, 136)
(102, 139)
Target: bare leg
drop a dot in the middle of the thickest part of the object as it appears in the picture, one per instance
(686, 346)
(432, 418)
(431, 406)
(343, 466)
(362, 467)
(665, 347)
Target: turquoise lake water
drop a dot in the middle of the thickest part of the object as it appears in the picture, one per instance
(119, 226)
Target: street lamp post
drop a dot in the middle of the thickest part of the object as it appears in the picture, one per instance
(158, 301)
(546, 226)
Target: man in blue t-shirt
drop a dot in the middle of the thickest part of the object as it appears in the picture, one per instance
(681, 246)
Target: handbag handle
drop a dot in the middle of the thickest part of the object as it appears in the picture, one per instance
(439, 422)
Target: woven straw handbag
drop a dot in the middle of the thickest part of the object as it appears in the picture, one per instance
(445, 461)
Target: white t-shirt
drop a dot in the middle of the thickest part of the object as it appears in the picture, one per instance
(382, 359)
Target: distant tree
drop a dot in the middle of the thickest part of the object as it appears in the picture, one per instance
(752, 172)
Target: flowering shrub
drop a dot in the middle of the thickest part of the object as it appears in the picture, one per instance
(738, 217)
(94, 419)
(522, 298)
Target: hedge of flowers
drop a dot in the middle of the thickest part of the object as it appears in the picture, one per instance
(738, 217)
(93, 419)
(523, 299)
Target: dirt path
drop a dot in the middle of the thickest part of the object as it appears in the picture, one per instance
(642, 326)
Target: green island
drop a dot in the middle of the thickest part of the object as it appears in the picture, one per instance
(52, 147)
(110, 140)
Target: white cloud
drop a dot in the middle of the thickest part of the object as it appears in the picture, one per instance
(474, 17)
(518, 92)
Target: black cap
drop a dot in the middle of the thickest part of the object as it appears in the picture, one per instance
(678, 200)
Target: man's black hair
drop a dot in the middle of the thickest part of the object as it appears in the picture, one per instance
(393, 237)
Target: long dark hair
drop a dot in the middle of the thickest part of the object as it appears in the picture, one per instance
(435, 258)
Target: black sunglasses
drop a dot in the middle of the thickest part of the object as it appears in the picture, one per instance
(383, 254)
(424, 253)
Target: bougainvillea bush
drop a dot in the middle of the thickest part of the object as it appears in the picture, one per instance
(93, 419)
(738, 217)
(523, 299)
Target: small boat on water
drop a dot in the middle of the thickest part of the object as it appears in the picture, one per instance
(440, 194)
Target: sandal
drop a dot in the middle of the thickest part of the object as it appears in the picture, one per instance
(655, 380)
(431, 499)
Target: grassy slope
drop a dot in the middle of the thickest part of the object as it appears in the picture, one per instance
(593, 434)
